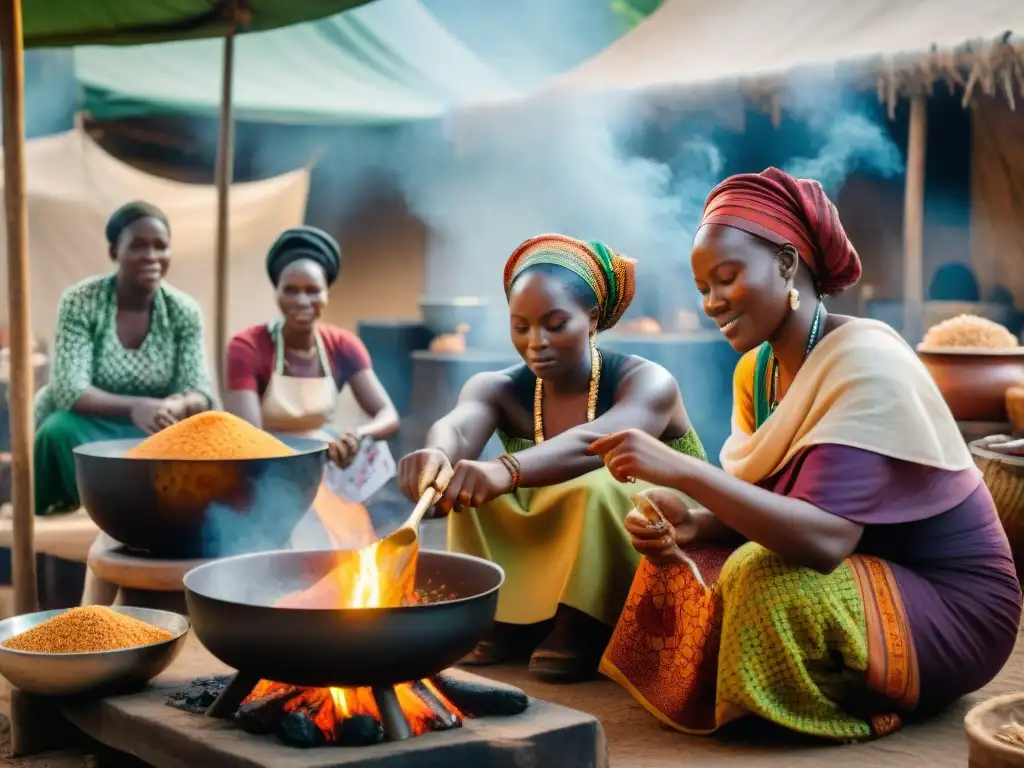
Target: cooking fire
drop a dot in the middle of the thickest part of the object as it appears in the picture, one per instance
(381, 575)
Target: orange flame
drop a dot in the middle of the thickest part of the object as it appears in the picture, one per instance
(362, 578)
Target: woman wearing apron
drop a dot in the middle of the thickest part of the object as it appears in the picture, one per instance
(285, 376)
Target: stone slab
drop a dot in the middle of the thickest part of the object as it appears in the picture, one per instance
(143, 725)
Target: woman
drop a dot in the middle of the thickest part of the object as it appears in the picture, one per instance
(546, 511)
(285, 376)
(876, 581)
(128, 356)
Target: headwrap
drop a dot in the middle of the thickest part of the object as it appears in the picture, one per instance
(128, 214)
(304, 243)
(610, 276)
(787, 211)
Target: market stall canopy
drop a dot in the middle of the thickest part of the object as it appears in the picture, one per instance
(73, 186)
(61, 23)
(690, 43)
(388, 61)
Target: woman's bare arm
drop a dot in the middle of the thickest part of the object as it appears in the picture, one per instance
(463, 433)
(245, 404)
(375, 401)
(645, 399)
(798, 532)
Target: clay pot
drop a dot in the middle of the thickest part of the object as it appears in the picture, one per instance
(974, 381)
(982, 724)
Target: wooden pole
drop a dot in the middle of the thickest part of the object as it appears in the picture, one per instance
(913, 221)
(224, 174)
(23, 556)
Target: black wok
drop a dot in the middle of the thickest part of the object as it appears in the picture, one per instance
(198, 507)
(231, 606)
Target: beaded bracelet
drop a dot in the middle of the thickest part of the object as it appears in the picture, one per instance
(512, 465)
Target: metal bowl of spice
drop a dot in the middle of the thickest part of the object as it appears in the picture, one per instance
(89, 651)
(209, 486)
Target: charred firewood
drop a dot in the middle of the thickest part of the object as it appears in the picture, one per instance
(481, 700)
(261, 715)
(359, 731)
(199, 695)
(297, 729)
(442, 720)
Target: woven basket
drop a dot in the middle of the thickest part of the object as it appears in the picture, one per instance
(1004, 476)
(1015, 407)
(983, 723)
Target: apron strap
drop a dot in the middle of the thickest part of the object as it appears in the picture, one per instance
(274, 328)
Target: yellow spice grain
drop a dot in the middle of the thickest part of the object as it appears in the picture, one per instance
(87, 630)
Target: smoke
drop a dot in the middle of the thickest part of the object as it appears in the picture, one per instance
(852, 136)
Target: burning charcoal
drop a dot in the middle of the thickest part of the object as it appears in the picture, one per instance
(482, 700)
(443, 719)
(262, 715)
(200, 694)
(359, 731)
(297, 729)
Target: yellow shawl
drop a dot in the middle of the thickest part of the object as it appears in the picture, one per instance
(861, 386)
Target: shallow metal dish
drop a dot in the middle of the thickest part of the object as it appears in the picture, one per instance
(90, 674)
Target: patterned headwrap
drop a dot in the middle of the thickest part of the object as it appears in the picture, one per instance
(787, 211)
(610, 276)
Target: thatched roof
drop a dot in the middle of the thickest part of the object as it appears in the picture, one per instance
(899, 45)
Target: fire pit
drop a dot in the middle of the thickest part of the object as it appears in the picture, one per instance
(270, 616)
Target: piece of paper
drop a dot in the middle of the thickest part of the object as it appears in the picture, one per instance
(371, 470)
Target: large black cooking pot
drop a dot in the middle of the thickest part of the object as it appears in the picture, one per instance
(198, 508)
(231, 606)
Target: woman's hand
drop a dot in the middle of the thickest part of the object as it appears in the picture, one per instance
(151, 415)
(474, 483)
(423, 469)
(633, 455)
(343, 450)
(660, 525)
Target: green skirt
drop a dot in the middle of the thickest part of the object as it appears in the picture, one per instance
(56, 437)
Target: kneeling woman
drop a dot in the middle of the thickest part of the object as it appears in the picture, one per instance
(547, 511)
(128, 356)
(877, 581)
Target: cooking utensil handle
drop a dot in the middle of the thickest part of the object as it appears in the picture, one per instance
(427, 500)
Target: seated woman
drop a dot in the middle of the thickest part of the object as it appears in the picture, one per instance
(128, 356)
(547, 511)
(285, 376)
(876, 581)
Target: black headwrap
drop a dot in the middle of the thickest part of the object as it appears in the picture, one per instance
(128, 214)
(304, 243)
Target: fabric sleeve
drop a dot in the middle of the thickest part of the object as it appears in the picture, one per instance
(191, 371)
(869, 488)
(348, 354)
(243, 364)
(73, 351)
(743, 393)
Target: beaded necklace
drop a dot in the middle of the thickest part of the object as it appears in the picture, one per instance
(538, 396)
(812, 339)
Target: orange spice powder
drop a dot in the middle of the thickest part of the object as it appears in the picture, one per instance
(210, 435)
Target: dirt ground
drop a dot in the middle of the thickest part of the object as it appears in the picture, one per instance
(636, 740)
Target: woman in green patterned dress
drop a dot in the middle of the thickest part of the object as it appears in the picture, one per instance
(547, 511)
(128, 356)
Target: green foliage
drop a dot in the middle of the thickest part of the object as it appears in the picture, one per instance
(632, 12)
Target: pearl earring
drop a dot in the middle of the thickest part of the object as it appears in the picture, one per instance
(794, 299)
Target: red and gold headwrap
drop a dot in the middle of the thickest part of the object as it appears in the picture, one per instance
(787, 211)
(612, 277)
